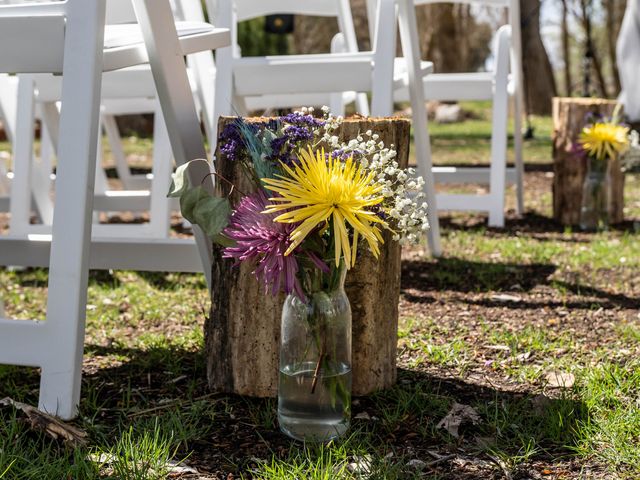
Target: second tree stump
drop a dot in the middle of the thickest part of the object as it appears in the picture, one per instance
(570, 115)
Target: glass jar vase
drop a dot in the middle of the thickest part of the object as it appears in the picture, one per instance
(314, 388)
(596, 196)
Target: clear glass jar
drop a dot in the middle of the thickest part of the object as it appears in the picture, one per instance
(314, 388)
(596, 196)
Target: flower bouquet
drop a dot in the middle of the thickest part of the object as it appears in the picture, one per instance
(600, 141)
(314, 202)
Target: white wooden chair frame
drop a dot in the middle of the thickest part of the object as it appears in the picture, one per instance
(501, 84)
(67, 37)
(343, 42)
(141, 247)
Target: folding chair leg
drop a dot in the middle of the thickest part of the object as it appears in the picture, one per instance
(519, 161)
(336, 104)
(175, 95)
(409, 39)
(499, 118)
(69, 263)
(20, 205)
(160, 210)
(110, 128)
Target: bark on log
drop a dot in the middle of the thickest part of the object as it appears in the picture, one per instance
(569, 117)
(242, 333)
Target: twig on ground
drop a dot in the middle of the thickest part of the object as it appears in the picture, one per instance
(503, 466)
(172, 403)
(57, 429)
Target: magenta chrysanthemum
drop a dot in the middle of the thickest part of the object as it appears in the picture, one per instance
(258, 237)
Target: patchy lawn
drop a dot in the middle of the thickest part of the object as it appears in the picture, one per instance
(535, 328)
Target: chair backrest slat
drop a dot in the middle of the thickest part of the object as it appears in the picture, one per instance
(23, 52)
(484, 3)
(120, 11)
(248, 9)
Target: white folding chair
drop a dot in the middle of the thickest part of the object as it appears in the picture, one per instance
(64, 37)
(499, 85)
(244, 83)
(142, 247)
(67, 37)
(278, 77)
(8, 101)
(344, 41)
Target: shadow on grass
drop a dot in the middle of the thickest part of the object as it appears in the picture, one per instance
(467, 276)
(532, 225)
(170, 281)
(129, 387)
(38, 277)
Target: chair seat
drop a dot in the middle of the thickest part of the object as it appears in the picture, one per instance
(124, 45)
(400, 78)
(447, 86)
(145, 254)
(313, 73)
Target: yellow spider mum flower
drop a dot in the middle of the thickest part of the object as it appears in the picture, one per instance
(604, 140)
(319, 190)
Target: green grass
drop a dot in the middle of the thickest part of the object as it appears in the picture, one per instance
(571, 306)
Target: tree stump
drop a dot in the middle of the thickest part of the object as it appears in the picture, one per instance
(242, 333)
(570, 115)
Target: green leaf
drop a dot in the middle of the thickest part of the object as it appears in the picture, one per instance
(208, 212)
(179, 181)
(212, 215)
(224, 241)
(188, 201)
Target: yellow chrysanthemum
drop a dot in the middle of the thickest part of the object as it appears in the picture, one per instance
(317, 191)
(604, 140)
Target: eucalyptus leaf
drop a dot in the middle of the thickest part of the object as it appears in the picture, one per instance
(189, 199)
(212, 215)
(179, 182)
(224, 241)
(208, 212)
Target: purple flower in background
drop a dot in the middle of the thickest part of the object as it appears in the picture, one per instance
(259, 238)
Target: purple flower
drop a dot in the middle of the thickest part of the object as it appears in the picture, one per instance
(300, 119)
(298, 129)
(259, 237)
(231, 142)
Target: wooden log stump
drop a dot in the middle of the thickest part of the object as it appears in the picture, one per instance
(242, 333)
(570, 115)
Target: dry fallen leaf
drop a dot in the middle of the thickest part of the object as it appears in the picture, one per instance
(560, 379)
(53, 427)
(458, 415)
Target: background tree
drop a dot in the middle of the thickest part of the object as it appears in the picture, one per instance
(539, 82)
(568, 83)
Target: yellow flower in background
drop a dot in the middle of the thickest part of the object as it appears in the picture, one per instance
(604, 140)
(318, 190)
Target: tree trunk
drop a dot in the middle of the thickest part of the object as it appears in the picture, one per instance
(613, 22)
(539, 83)
(591, 52)
(568, 83)
(569, 117)
(242, 333)
(313, 34)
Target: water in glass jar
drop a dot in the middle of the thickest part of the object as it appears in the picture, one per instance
(314, 414)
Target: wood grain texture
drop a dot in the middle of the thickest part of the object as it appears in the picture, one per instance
(569, 117)
(242, 333)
